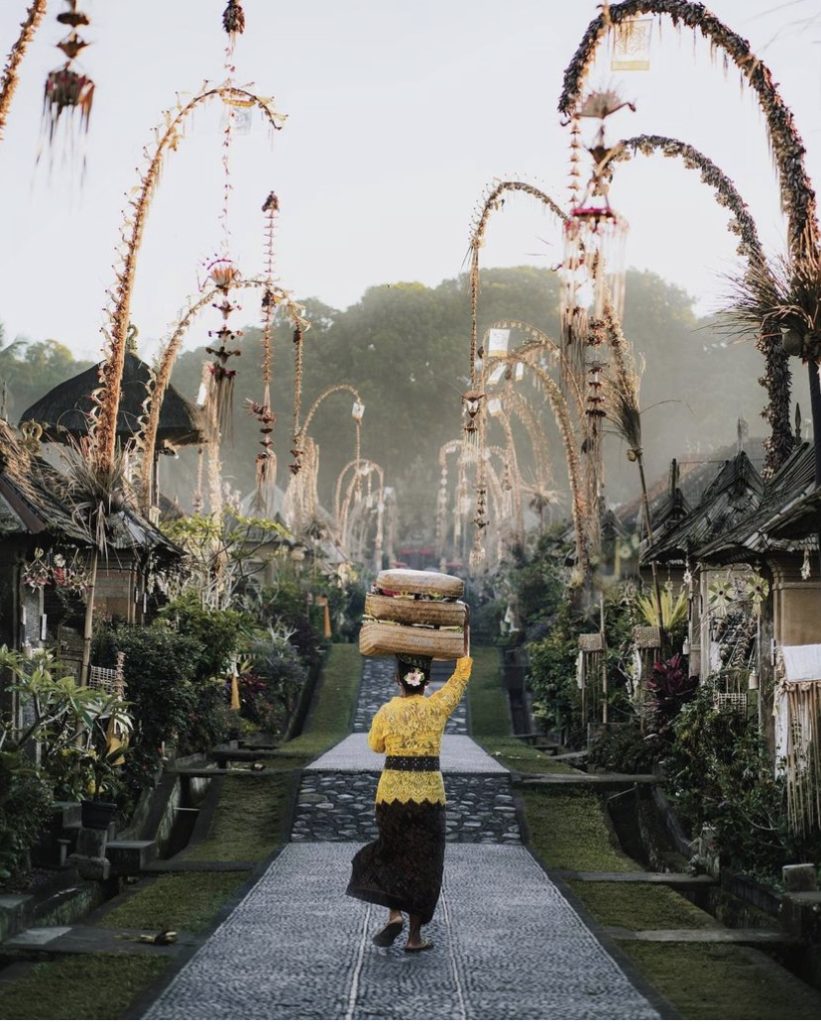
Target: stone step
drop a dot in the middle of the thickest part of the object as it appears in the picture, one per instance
(740, 936)
(571, 756)
(609, 781)
(210, 773)
(64, 939)
(130, 856)
(675, 879)
(339, 807)
(224, 754)
(63, 898)
(172, 867)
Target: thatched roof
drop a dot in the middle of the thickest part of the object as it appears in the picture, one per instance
(34, 503)
(787, 518)
(735, 492)
(30, 501)
(65, 409)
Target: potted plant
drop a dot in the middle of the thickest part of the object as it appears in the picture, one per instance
(107, 724)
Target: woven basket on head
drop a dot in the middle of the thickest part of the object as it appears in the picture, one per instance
(410, 581)
(409, 613)
(377, 638)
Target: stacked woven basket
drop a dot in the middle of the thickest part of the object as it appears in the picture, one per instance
(409, 612)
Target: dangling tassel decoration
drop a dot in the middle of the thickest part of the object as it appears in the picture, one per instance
(197, 501)
(296, 451)
(220, 400)
(65, 88)
(266, 461)
(233, 21)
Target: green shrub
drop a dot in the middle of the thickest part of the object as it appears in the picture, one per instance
(286, 604)
(623, 748)
(553, 673)
(159, 666)
(721, 774)
(25, 807)
(220, 634)
(269, 693)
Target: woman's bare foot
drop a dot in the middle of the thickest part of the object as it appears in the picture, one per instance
(416, 943)
(392, 929)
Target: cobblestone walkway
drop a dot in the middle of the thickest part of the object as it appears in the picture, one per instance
(507, 943)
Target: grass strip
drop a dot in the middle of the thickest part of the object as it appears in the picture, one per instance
(96, 986)
(248, 821)
(490, 718)
(186, 902)
(569, 831)
(640, 906)
(489, 708)
(330, 716)
(710, 980)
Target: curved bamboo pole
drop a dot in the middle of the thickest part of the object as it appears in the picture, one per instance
(493, 201)
(561, 414)
(365, 468)
(777, 376)
(470, 456)
(301, 441)
(518, 511)
(11, 72)
(106, 398)
(524, 413)
(540, 343)
(797, 194)
(330, 390)
(146, 440)
(340, 480)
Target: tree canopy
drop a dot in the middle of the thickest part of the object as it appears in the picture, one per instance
(404, 346)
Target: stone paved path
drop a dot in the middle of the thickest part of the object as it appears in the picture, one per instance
(507, 943)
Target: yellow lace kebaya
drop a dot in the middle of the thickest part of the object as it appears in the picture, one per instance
(413, 727)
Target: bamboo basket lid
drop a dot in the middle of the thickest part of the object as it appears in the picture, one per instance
(412, 581)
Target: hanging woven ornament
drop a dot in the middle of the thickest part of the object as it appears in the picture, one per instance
(806, 571)
(471, 408)
(719, 596)
(67, 89)
(757, 591)
(296, 451)
(593, 267)
(220, 398)
(233, 21)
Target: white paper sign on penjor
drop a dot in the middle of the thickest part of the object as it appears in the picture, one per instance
(631, 45)
(498, 339)
(494, 407)
(496, 375)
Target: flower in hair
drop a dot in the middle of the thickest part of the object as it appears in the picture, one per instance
(415, 678)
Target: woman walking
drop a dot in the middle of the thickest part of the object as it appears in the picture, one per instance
(402, 869)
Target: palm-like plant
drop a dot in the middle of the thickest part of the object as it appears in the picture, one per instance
(93, 490)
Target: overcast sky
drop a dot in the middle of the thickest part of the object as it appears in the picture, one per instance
(399, 113)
